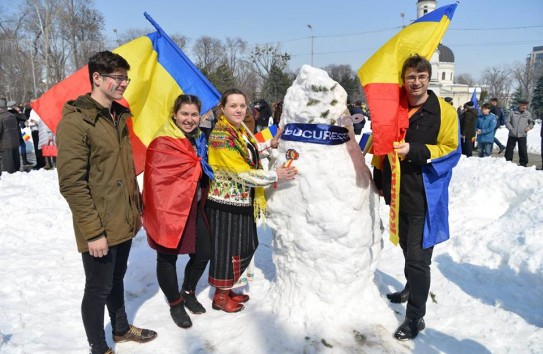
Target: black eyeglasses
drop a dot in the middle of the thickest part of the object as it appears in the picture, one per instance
(118, 78)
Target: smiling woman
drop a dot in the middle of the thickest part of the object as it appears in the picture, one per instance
(175, 187)
(235, 200)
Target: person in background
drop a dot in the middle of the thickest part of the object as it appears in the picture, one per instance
(277, 111)
(98, 180)
(519, 123)
(485, 128)
(175, 186)
(430, 151)
(14, 109)
(33, 123)
(357, 109)
(10, 135)
(468, 119)
(262, 115)
(235, 199)
(500, 117)
(250, 121)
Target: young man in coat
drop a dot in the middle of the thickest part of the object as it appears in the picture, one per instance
(430, 151)
(98, 180)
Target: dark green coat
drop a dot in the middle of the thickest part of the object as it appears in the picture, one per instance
(96, 172)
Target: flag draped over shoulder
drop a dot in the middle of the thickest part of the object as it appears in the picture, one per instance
(160, 72)
(381, 79)
(172, 172)
(380, 75)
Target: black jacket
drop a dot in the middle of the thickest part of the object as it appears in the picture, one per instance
(9, 131)
(423, 129)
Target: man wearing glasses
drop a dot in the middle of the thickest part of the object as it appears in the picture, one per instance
(427, 156)
(98, 180)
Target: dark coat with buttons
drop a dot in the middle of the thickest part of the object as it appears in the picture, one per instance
(96, 172)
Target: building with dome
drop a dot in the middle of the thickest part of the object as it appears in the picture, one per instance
(442, 81)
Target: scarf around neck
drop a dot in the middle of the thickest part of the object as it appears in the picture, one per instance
(229, 156)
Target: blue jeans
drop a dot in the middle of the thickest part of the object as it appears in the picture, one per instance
(104, 286)
(485, 149)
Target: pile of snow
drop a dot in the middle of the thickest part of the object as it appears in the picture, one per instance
(486, 280)
(325, 223)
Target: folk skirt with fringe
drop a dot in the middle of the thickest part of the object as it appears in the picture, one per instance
(233, 244)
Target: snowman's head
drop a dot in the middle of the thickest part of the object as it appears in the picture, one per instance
(314, 98)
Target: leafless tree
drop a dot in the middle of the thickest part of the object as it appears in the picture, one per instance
(15, 70)
(264, 57)
(498, 80)
(464, 79)
(209, 53)
(235, 50)
(525, 78)
(83, 30)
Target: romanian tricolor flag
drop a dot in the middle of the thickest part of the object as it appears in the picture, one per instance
(25, 136)
(266, 134)
(160, 72)
(380, 75)
(381, 79)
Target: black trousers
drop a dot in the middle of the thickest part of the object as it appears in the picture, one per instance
(166, 269)
(104, 286)
(417, 263)
(467, 147)
(522, 150)
(40, 161)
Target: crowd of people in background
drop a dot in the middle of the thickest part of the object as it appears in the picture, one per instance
(480, 128)
(19, 124)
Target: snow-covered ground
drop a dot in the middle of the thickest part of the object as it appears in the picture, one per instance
(487, 281)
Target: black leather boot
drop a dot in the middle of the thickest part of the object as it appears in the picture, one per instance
(399, 297)
(409, 329)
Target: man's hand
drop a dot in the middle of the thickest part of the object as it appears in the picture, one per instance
(98, 248)
(402, 149)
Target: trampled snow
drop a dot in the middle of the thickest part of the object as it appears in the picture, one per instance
(487, 280)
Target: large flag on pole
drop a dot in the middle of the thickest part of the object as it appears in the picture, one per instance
(381, 78)
(380, 75)
(160, 72)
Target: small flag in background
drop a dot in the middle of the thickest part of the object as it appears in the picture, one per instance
(25, 136)
(474, 99)
(266, 134)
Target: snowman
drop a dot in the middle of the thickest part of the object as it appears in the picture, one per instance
(325, 224)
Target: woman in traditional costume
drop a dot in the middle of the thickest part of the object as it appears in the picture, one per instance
(175, 186)
(235, 199)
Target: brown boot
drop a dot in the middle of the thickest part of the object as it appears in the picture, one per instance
(221, 301)
(239, 298)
